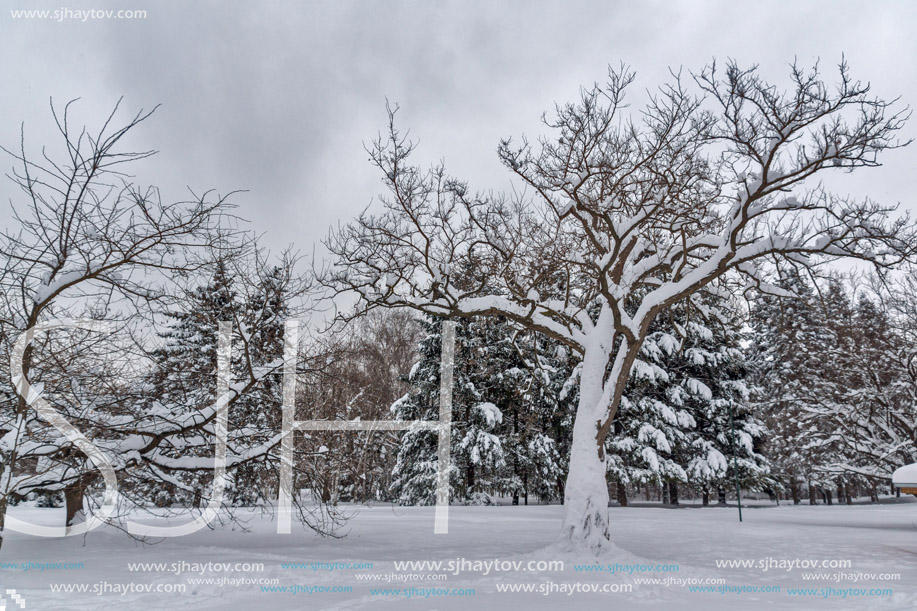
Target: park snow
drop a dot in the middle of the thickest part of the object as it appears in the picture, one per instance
(802, 557)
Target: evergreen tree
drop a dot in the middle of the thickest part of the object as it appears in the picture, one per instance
(866, 413)
(677, 412)
(507, 415)
(521, 379)
(256, 417)
(791, 354)
(476, 451)
(183, 380)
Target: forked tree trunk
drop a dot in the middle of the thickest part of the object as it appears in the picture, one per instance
(586, 497)
(585, 525)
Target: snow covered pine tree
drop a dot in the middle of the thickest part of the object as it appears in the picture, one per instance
(507, 415)
(673, 425)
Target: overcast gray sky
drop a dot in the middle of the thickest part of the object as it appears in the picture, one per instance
(279, 97)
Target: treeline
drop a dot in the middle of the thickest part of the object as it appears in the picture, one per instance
(805, 396)
(115, 303)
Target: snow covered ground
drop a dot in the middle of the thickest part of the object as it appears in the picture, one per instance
(681, 546)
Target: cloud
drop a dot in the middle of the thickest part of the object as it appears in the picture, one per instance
(278, 97)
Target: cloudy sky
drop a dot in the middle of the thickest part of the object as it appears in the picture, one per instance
(278, 98)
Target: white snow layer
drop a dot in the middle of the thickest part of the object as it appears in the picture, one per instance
(905, 476)
(875, 539)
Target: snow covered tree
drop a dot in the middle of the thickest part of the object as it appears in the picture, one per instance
(862, 406)
(835, 379)
(92, 243)
(477, 451)
(674, 425)
(623, 217)
(790, 341)
(256, 418)
(525, 375)
(506, 414)
(255, 297)
(88, 242)
(182, 381)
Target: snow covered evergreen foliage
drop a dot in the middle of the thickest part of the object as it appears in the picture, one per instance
(476, 450)
(836, 379)
(183, 381)
(674, 424)
(506, 416)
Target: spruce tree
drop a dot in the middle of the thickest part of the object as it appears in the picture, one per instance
(183, 380)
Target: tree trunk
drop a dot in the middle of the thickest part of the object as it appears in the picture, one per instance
(8, 465)
(673, 493)
(813, 500)
(73, 503)
(794, 485)
(585, 523)
(622, 494)
(705, 497)
(828, 498)
(721, 495)
(840, 494)
(3, 505)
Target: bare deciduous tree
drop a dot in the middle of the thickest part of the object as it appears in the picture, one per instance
(89, 241)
